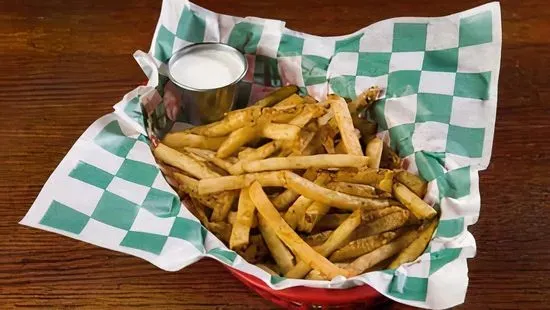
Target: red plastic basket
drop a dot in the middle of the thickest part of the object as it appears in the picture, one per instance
(302, 297)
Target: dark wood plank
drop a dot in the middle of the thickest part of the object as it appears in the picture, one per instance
(65, 63)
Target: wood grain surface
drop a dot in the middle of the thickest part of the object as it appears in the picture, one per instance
(63, 64)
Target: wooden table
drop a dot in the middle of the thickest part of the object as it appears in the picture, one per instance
(65, 63)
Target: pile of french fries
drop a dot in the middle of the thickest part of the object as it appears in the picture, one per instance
(302, 189)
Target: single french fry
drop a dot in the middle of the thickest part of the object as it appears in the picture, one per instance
(362, 246)
(232, 219)
(305, 162)
(233, 182)
(280, 253)
(276, 96)
(245, 217)
(183, 162)
(330, 197)
(374, 152)
(293, 100)
(301, 249)
(413, 182)
(210, 156)
(297, 210)
(361, 190)
(336, 240)
(415, 204)
(331, 221)
(371, 215)
(370, 259)
(385, 223)
(416, 248)
(260, 153)
(277, 131)
(231, 122)
(317, 239)
(314, 213)
(236, 139)
(345, 124)
(177, 140)
(379, 178)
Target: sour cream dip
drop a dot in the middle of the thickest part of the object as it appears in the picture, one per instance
(207, 75)
(204, 68)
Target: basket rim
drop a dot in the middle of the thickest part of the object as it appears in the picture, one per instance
(312, 295)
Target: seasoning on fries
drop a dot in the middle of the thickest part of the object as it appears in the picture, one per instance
(301, 188)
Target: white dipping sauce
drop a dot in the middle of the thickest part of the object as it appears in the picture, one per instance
(207, 69)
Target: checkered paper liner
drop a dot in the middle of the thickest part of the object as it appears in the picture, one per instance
(438, 111)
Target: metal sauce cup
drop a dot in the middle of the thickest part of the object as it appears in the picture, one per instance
(208, 104)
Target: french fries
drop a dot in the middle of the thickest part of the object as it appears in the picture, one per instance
(227, 183)
(331, 210)
(237, 139)
(336, 240)
(178, 140)
(345, 124)
(300, 248)
(360, 190)
(277, 96)
(317, 239)
(290, 101)
(245, 217)
(183, 162)
(374, 152)
(279, 252)
(379, 178)
(362, 246)
(372, 258)
(304, 162)
(416, 248)
(415, 204)
(385, 223)
(297, 210)
(314, 213)
(279, 131)
(413, 182)
(330, 197)
(232, 219)
(331, 221)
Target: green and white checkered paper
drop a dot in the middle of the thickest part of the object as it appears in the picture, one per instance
(438, 111)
